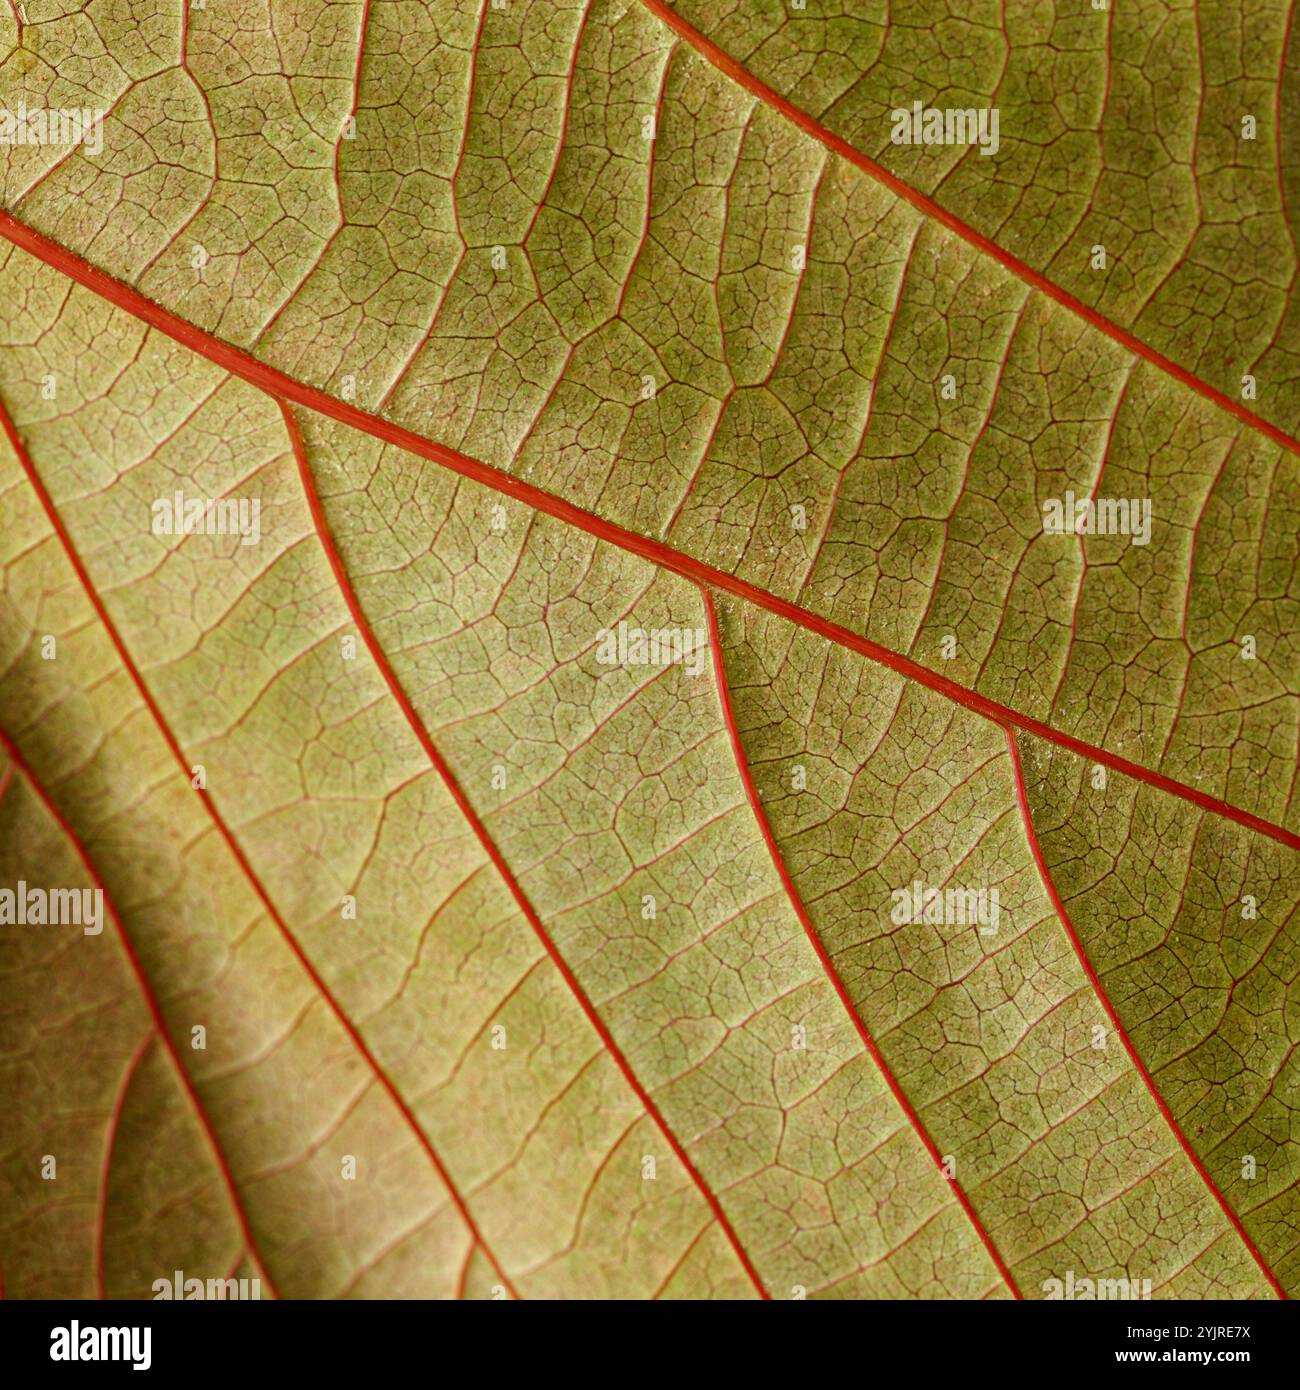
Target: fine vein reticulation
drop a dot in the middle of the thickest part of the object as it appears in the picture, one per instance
(456, 960)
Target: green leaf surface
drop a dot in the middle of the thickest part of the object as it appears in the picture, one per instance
(450, 948)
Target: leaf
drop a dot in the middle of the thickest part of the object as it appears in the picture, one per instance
(454, 946)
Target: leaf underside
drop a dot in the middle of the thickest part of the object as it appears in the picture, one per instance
(444, 956)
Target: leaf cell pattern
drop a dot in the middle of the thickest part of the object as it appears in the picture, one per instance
(443, 957)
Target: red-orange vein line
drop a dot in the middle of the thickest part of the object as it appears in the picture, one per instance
(1095, 980)
(494, 853)
(833, 975)
(284, 387)
(74, 558)
(146, 991)
(106, 1164)
(728, 65)
(463, 1281)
